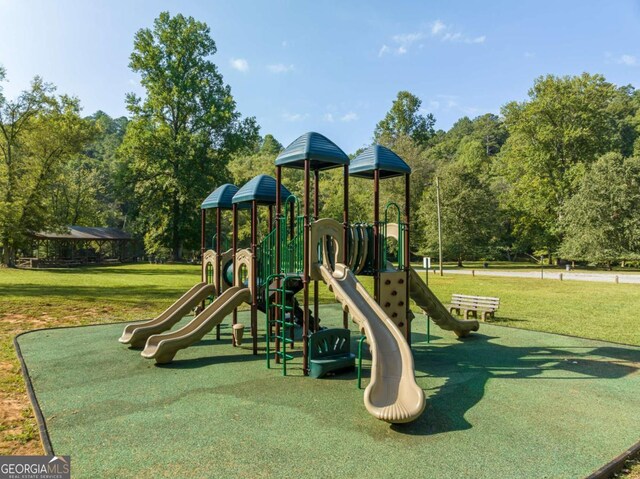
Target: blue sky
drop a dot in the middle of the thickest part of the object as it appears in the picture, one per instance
(332, 66)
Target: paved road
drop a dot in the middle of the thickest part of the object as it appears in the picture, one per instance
(551, 274)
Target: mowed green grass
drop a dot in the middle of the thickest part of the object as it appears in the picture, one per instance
(49, 298)
(603, 311)
(523, 266)
(104, 292)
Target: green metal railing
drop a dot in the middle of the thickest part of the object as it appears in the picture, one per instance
(266, 256)
(283, 325)
(402, 228)
(291, 244)
(224, 243)
(292, 237)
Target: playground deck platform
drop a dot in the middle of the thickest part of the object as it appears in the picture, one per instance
(502, 403)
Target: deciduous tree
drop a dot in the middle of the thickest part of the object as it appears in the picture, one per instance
(39, 133)
(183, 132)
(601, 220)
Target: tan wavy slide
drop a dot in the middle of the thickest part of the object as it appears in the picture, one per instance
(431, 305)
(392, 394)
(163, 347)
(136, 334)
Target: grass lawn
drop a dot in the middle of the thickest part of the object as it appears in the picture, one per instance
(522, 266)
(39, 299)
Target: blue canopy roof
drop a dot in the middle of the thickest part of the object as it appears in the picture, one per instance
(378, 157)
(221, 198)
(262, 189)
(318, 149)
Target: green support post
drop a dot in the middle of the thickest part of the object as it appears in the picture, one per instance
(428, 329)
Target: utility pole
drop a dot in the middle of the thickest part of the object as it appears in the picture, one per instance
(439, 224)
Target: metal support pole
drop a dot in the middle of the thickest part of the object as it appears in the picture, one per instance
(428, 329)
(305, 273)
(345, 230)
(203, 223)
(203, 220)
(254, 275)
(278, 253)
(234, 248)
(316, 212)
(439, 224)
(407, 251)
(270, 312)
(376, 235)
(218, 260)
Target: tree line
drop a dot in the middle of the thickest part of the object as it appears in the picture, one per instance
(557, 174)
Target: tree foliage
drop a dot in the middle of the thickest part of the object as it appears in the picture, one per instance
(39, 133)
(88, 189)
(182, 133)
(602, 219)
(469, 215)
(553, 137)
(404, 119)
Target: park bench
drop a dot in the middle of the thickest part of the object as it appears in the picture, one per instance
(330, 350)
(471, 305)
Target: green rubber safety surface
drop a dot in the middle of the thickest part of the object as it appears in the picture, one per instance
(501, 403)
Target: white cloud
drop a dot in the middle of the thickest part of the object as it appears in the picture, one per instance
(628, 60)
(293, 117)
(451, 37)
(403, 42)
(479, 39)
(280, 68)
(407, 38)
(328, 117)
(437, 27)
(447, 33)
(451, 103)
(351, 116)
(240, 64)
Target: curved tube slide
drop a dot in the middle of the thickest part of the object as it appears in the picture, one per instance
(392, 394)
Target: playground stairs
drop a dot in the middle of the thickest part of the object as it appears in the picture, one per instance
(280, 298)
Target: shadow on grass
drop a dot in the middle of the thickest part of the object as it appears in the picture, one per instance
(504, 319)
(139, 292)
(123, 269)
(467, 367)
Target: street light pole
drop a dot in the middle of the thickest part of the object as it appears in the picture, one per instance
(439, 224)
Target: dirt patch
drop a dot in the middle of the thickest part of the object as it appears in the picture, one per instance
(14, 318)
(12, 408)
(7, 367)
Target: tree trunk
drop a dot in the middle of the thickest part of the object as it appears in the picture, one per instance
(8, 257)
(175, 233)
(459, 262)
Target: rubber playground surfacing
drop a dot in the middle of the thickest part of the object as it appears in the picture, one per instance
(501, 403)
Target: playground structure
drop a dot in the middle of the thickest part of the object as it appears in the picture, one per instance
(298, 252)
